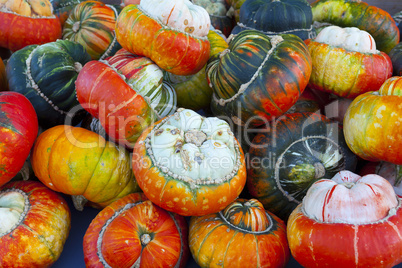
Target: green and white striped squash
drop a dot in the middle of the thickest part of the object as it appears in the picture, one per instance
(146, 78)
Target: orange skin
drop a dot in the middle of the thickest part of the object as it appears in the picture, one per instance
(122, 112)
(18, 31)
(372, 124)
(347, 74)
(38, 241)
(215, 243)
(316, 244)
(173, 51)
(18, 131)
(177, 196)
(76, 161)
(121, 241)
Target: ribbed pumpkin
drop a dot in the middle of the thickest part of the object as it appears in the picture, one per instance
(133, 232)
(92, 24)
(348, 221)
(218, 13)
(372, 123)
(145, 78)
(18, 131)
(63, 8)
(189, 164)
(106, 95)
(79, 162)
(346, 62)
(277, 17)
(3, 77)
(25, 23)
(35, 224)
(258, 77)
(297, 150)
(396, 58)
(355, 13)
(193, 91)
(173, 34)
(241, 235)
(46, 75)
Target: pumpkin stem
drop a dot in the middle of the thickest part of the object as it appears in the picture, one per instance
(398, 175)
(79, 202)
(77, 66)
(145, 239)
(319, 170)
(76, 26)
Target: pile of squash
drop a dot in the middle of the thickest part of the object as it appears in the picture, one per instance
(238, 133)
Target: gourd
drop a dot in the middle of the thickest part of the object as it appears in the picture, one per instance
(79, 162)
(35, 223)
(92, 24)
(46, 74)
(295, 151)
(356, 13)
(26, 23)
(173, 34)
(189, 164)
(221, 238)
(360, 216)
(371, 123)
(346, 62)
(133, 232)
(18, 128)
(258, 77)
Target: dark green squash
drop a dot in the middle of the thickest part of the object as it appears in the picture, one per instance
(396, 57)
(63, 8)
(298, 149)
(259, 77)
(46, 75)
(277, 17)
(354, 13)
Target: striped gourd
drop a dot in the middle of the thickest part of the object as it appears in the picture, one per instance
(92, 24)
(46, 75)
(258, 77)
(146, 78)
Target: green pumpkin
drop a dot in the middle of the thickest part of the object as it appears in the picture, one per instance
(396, 57)
(349, 13)
(277, 17)
(259, 77)
(63, 8)
(296, 150)
(46, 75)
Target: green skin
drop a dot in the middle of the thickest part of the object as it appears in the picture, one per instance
(358, 14)
(396, 58)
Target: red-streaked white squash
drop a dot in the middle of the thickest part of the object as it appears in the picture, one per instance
(349, 221)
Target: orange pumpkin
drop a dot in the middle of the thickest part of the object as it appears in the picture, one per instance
(348, 221)
(242, 235)
(173, 34)
(189, 164)
(26, 23)
(78, 162)
(372, 123)
(133, 232)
